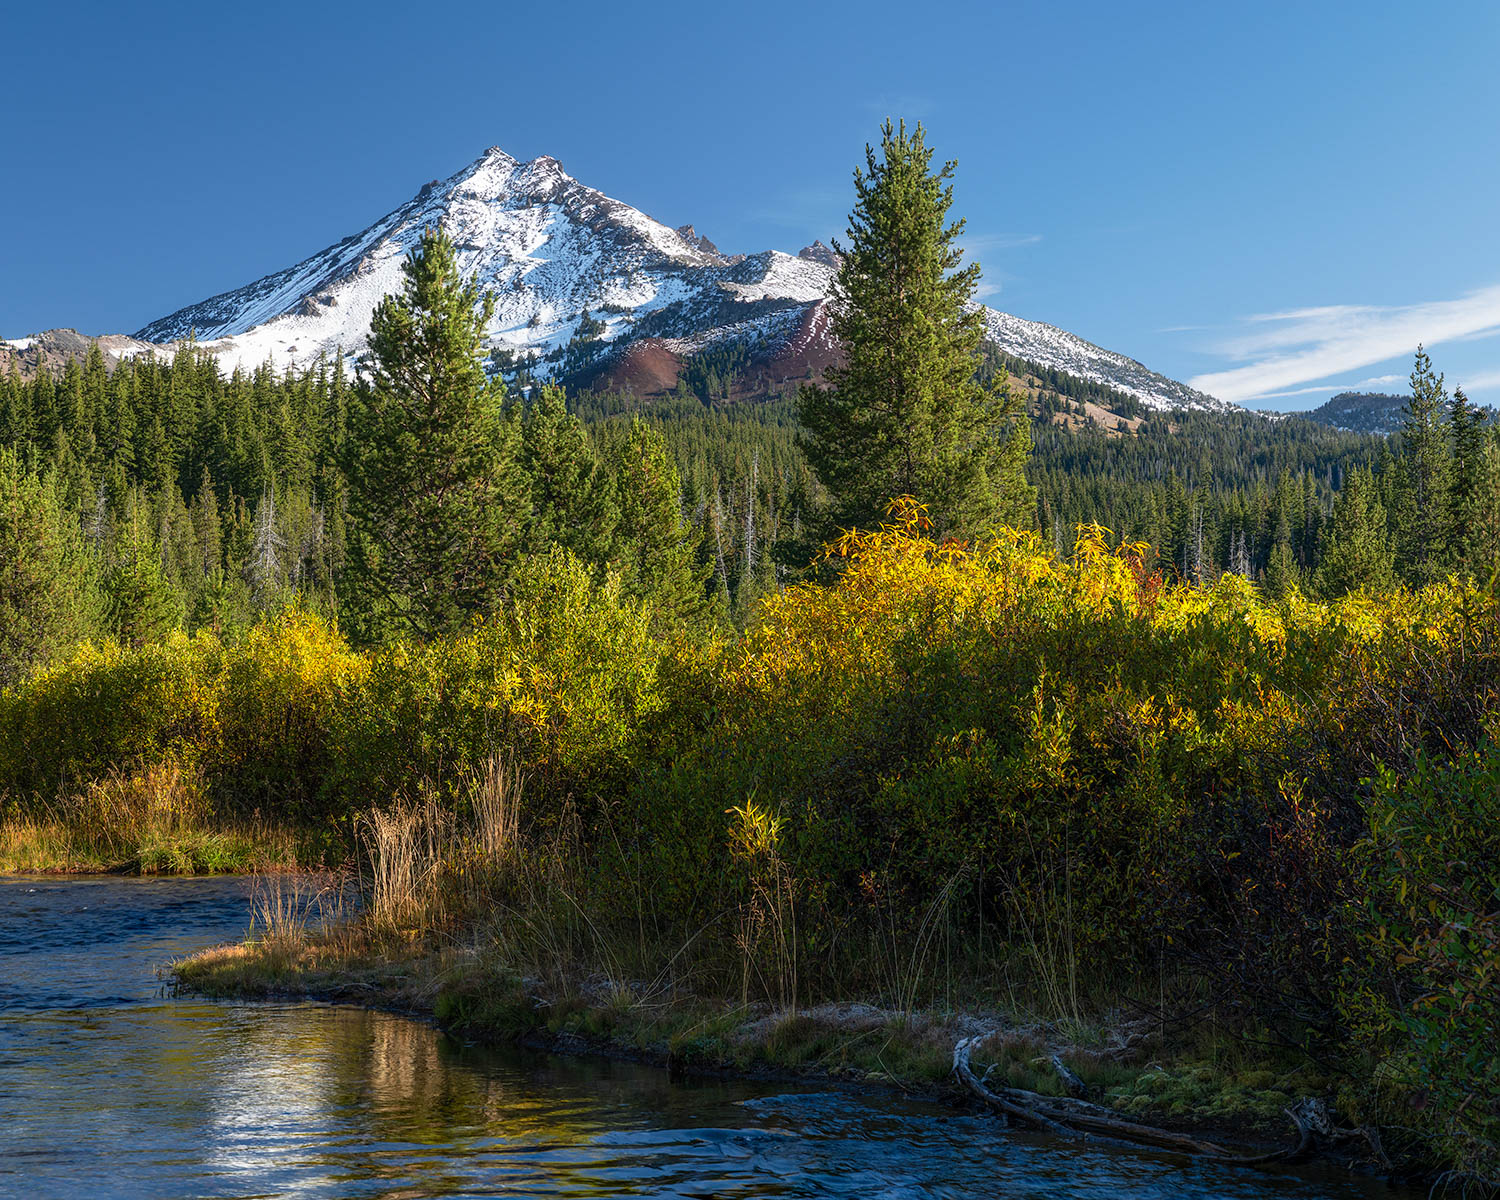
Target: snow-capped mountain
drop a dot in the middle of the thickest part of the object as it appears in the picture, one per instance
(554, 251)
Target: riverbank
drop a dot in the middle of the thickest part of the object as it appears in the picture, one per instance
(1195, 1082)
(155, 819)
(989, 777)
(39, 846)
(183, 1096)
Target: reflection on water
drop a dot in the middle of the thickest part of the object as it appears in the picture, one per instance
(109, 1087)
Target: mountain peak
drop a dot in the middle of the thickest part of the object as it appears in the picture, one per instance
(548, 248)
(820, 253)
(693, 238)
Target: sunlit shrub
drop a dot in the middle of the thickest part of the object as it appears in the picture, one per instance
(106, 706)
(561, 679)
(1110, 761)
(1074, 765)
(281, 688)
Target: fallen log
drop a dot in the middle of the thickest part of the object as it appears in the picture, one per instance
(1078, 1118)
(1074, 1085)
(999, 1103)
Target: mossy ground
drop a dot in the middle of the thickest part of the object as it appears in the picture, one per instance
(1201, 1083)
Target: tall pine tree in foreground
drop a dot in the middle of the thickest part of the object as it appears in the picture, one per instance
(436, 500)
(1422, 514)
(905, 414)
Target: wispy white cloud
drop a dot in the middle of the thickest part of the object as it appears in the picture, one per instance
(983, 243)
(1485, 381)
(1300, 346)
(1327, 389)
(1357, 385)
(993, 245)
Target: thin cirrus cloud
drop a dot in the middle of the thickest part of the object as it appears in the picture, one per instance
(1288, 350)
(1357, 385)
(975, 245)
(1484, 382)
(982, 243)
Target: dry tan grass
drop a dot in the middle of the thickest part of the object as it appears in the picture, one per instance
(495, 799)
(151, 818)
(427, 864)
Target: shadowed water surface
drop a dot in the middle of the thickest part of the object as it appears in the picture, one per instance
(111, 1087)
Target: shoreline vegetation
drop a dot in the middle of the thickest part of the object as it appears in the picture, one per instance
(953, 779)
(1166, 1091)
(921, 762)
(152, 820)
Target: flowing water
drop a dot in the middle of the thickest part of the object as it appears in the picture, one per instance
(111, 1086)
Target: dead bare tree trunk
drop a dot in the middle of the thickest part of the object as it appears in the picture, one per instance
(1071, 1117)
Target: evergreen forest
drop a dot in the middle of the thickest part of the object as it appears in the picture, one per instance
(177, 498)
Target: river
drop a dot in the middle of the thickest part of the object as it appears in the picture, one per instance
(110, 1086)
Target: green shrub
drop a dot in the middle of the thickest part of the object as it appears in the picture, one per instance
(1423, 969)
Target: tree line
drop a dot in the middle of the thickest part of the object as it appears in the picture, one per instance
(163, 494)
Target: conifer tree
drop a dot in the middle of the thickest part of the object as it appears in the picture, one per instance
(140, 604)
(904, 414)
(436, 504)
(572, 503)
(47, 601)
(1422, 524)
(265, 571)
(1356, 552)
(655, 546)
(1465, 492)
(1281, 567)
(1485, 563)
(207, 527)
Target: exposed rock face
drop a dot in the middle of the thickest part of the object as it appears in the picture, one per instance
(691, 237)
(820, 253)
(53, 349)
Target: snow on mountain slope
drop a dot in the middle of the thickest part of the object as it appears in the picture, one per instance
(1052, 347)
(550, 249)
(52, 349)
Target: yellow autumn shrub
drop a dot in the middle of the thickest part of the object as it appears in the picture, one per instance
(106, 705)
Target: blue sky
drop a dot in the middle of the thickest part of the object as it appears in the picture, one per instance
(1272, 200)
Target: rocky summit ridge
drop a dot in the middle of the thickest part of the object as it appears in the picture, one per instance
(561, 257)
